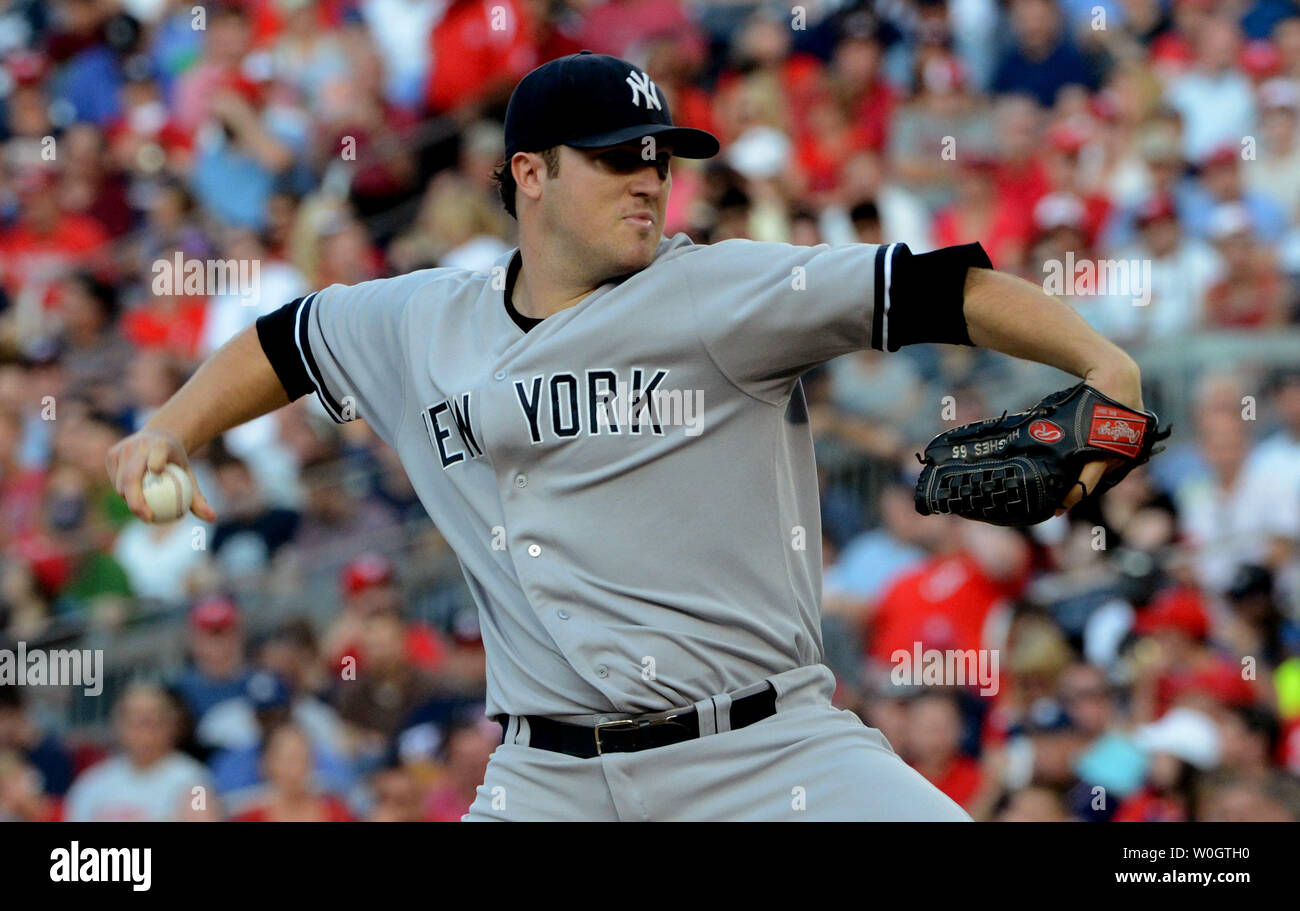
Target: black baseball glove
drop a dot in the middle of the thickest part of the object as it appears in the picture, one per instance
(1017, 469)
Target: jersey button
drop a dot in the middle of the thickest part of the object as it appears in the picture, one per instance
(499, 375)
(601, 671)
(562, 614)
(534, 550)
(521, 480)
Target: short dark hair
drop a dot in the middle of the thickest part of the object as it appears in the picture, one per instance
(505, 178)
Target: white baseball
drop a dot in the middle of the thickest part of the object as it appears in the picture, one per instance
(168, 493)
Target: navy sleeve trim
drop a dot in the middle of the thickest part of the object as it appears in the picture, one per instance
(283, 334)
(925, 295)
(304, 349)
(275, 331)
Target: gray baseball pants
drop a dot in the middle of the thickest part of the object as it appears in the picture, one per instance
(809, 761)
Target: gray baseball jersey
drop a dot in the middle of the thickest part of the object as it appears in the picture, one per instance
(635, 514)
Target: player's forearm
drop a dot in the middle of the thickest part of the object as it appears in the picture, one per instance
(233, 386)
(1008, 314)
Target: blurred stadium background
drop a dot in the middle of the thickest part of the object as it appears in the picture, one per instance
(1150, 653)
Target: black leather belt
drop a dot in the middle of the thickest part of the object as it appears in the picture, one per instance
(632, 734)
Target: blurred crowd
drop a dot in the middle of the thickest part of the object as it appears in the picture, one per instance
(322, 659)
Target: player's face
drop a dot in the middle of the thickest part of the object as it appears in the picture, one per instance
(615, 202)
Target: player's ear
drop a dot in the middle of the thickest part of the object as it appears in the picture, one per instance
(528, 169)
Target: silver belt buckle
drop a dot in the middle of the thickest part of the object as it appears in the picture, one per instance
(630, 723)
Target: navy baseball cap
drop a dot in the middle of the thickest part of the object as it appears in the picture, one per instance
(590, 101)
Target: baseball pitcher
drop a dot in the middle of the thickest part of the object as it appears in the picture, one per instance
(597, 425)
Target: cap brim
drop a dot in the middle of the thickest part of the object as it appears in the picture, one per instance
(687, 142)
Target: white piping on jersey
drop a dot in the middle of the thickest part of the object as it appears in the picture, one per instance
(884, 323)
(316, 380)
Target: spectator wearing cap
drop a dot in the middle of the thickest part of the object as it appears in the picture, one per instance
(1175, 663)
(1250, 291)
(290, 793)
(146, 137)
(148, 780)
(368, 584)
(1064, 164)
(932, 134)
(1214, 97)
(1221, 184)
(217, 669)
(289, 653)
(1276, 168)
(240, 768)
(1043, 60)
(387, 689)
(1183, 269)
(1181, 746)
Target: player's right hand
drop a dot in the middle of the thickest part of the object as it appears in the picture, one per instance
(150, 450)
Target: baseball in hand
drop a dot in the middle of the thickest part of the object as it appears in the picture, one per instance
(169, 493)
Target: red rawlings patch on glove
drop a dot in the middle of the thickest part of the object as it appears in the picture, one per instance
(1046, 432)
(1117, 430)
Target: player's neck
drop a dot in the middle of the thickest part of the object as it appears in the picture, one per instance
(538, 294)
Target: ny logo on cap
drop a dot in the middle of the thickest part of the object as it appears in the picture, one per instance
(643, 85)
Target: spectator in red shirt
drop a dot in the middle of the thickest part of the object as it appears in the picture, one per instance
(983, 213)
(855, 76)
(1251, 292)
(46, 243)
(934, 733)
(481, 49)
(228, 38)
(622, 28)
(369, 588)
(287, 765)
(467, 746)
(170, 323)
(947, 602)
